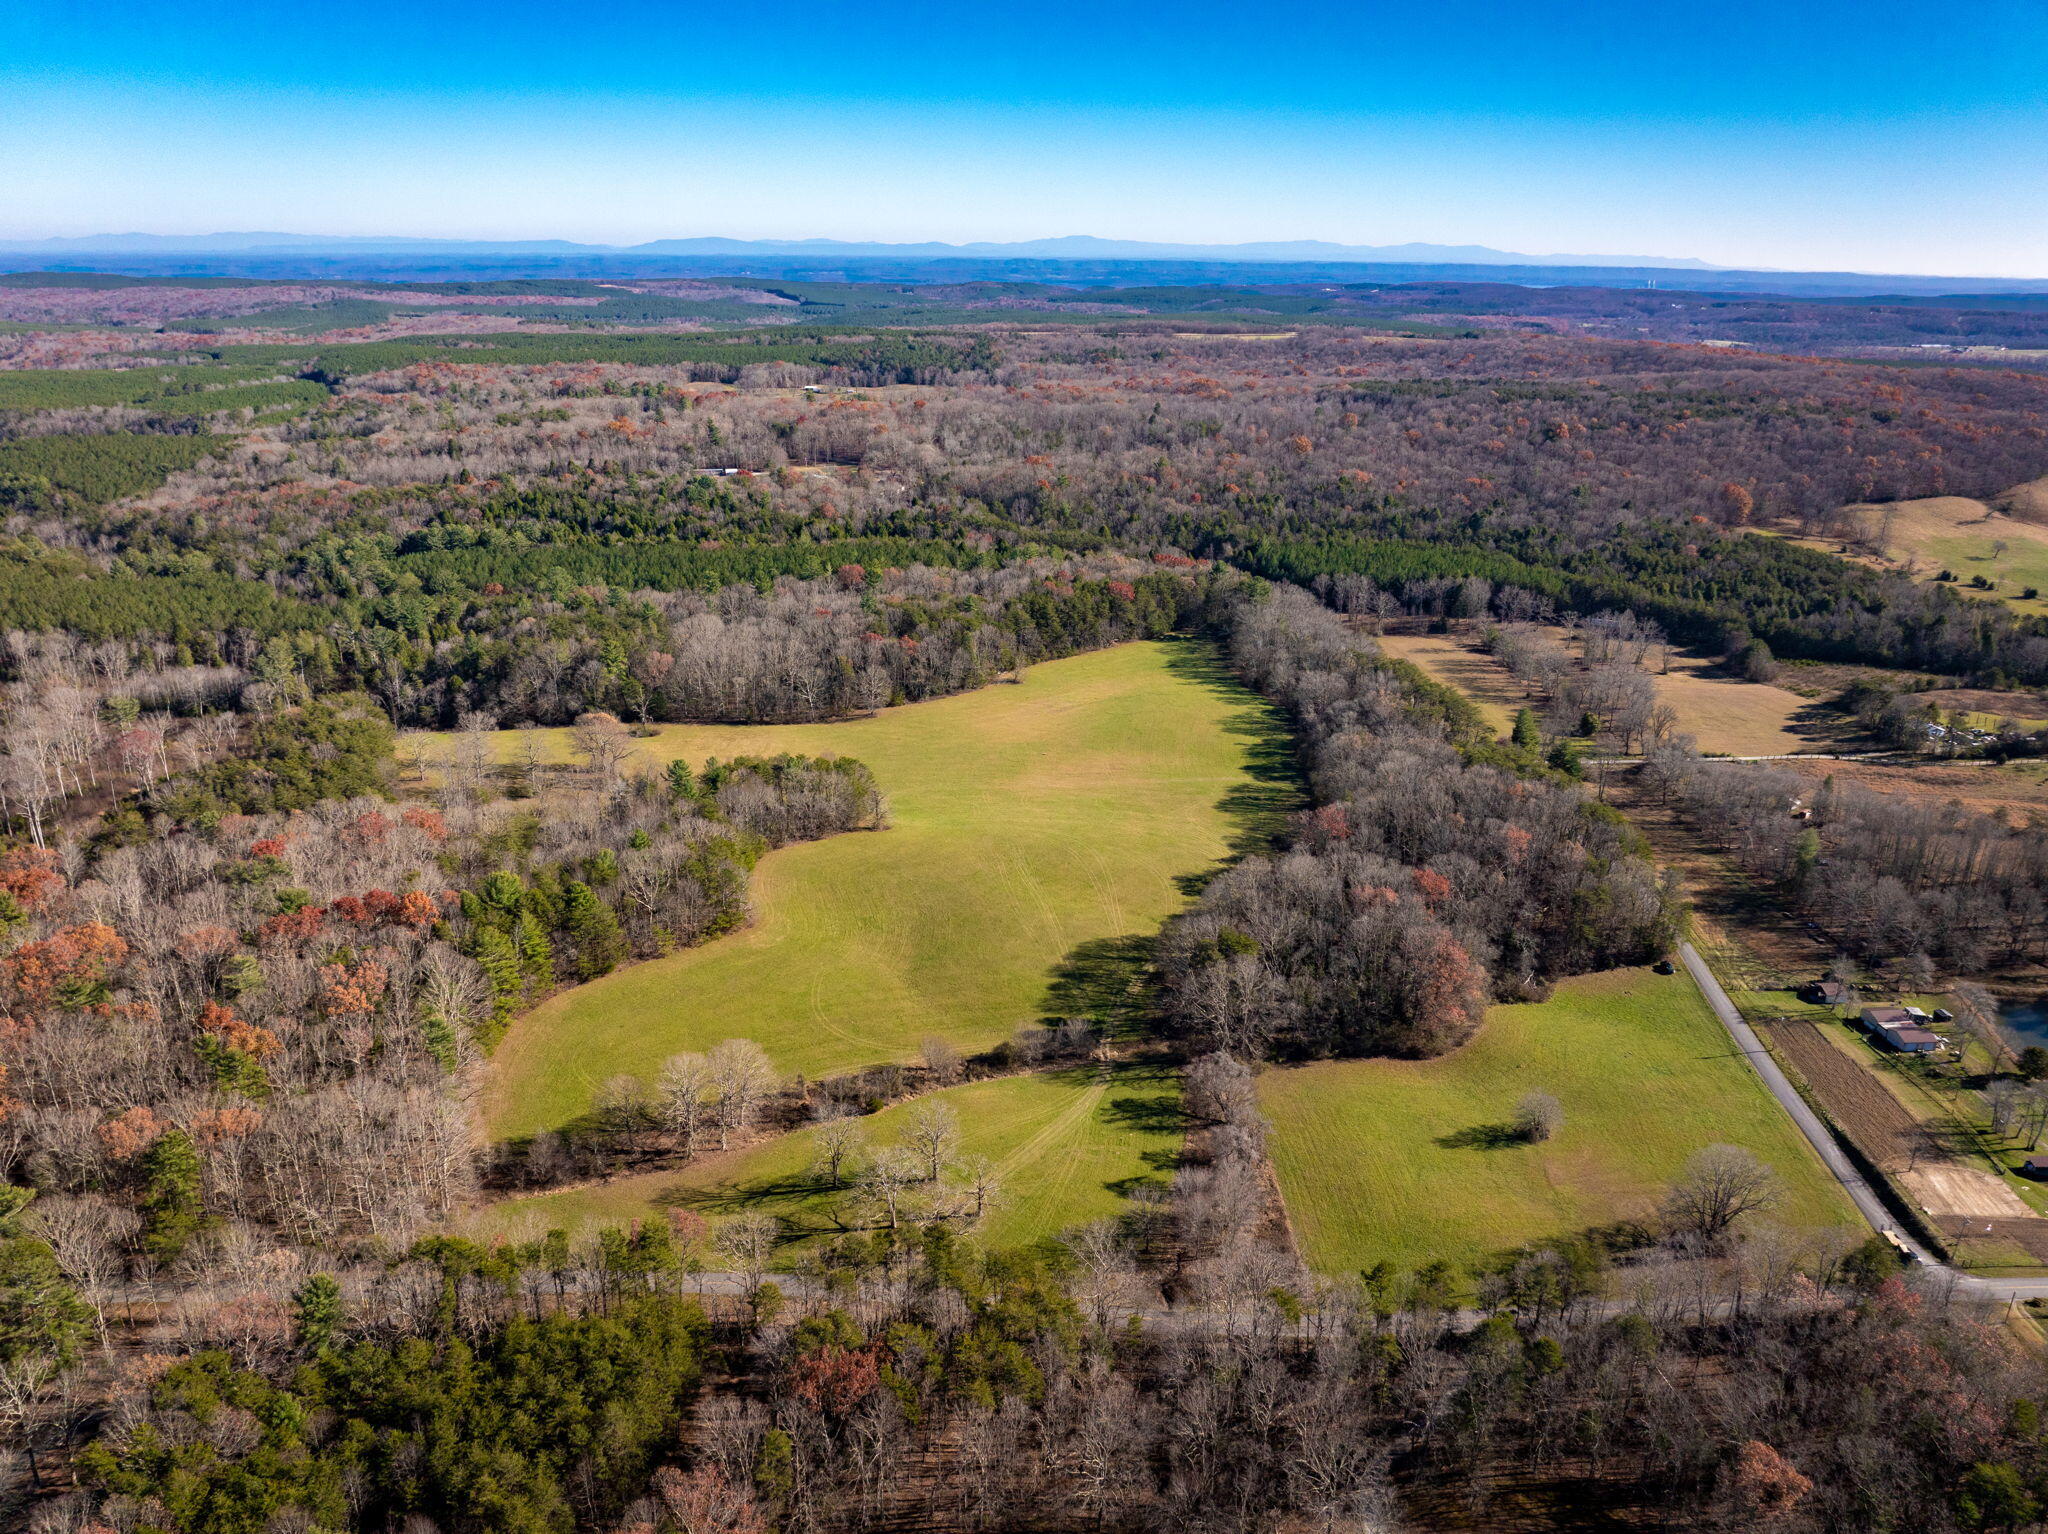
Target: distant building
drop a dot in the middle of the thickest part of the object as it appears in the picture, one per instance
(1828, 993)
(2035, 1167)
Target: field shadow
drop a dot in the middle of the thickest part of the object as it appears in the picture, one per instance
(1483, 1137)
(1148, 1115)
(1104, 979)
(1257, 810)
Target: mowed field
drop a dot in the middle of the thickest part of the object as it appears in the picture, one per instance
(1722, 713)
(1069, 1146)
(1032, 826)
(1406, 1161)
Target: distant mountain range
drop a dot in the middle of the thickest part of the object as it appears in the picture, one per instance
(1073, 247)
(1080, 260)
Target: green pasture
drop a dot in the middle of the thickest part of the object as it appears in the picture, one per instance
(1040, 832)
(1068, 1145)
(1405, 1161)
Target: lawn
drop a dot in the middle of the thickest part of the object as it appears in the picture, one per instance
(1068, 1146)
(1398, 1161)
(1040, 833)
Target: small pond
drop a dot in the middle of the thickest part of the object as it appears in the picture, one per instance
(2025, 1022)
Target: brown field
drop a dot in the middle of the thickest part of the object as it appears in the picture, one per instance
(1861, 1104)
(1984, 1221)
(1722, 713)
(1451, 659)
(1964, 1190)
(2017, 790)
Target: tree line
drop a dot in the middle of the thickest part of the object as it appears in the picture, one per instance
(1436, 873)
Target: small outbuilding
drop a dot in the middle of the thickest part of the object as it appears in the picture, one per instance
(2035, 1167)
(1827, 993)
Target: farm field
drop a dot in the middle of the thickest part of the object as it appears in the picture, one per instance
(1068, 1146)
(1033, 827)
(1985, 1217)
(1405, 1161)
(1722, 713)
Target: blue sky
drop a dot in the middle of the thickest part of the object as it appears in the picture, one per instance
(1876, 136)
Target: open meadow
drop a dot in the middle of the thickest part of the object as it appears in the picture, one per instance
(2005, 539)
(1068, 1146)
(1040, 832)
(1404, 1161)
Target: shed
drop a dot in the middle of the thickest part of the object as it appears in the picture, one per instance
(2034, 1166)
(1828, 993)
(1912, 1041)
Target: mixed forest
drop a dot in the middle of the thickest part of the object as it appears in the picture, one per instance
(339, 629)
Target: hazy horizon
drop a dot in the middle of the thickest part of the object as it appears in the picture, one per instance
(1814, 137)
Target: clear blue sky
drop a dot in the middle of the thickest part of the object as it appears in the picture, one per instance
(1879, 136)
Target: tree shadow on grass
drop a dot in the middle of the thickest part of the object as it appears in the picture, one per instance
(1105, 980)
(1258, 809)
(1148, 1115)
(746, 1197)
(1483, 1137)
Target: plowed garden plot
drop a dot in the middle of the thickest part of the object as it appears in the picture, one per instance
(1867, 1112)
(1984, 1222)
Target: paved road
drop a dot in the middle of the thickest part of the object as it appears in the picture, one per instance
(1853, 1182)
(1783, 756)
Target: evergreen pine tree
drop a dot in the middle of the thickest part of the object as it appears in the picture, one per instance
(173, 1207)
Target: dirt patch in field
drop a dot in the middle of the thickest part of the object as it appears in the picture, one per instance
(1963, 1190)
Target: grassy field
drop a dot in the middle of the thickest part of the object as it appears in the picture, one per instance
(1403, 1161)
(1953, 532)
(1041, 832)
(1068, 1145)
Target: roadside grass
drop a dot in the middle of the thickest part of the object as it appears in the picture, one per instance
(1040, 832)
(1070, 1147)
(1407, 1161)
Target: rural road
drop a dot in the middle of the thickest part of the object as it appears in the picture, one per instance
(1853, 1182)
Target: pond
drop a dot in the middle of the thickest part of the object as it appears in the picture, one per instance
(2025, 1022)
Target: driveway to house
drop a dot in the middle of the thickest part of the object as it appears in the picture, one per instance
(1853, 1182)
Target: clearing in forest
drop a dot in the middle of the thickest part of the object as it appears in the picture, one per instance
(1040, 832)
(2004, 540)
(1406, 1161)
(1068, 1147)
(1723, 713)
